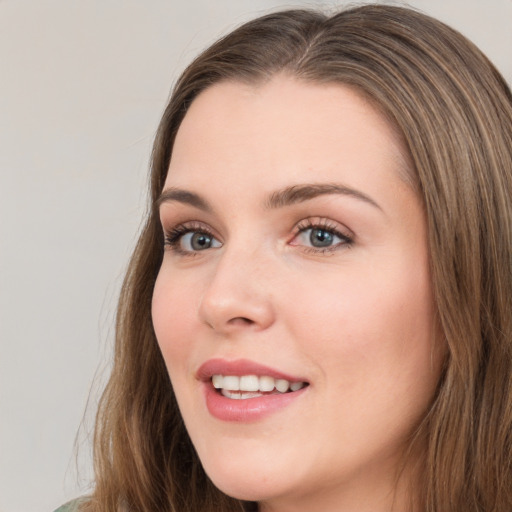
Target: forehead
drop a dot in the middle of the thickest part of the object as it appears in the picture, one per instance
(282, 124)
(283, 99)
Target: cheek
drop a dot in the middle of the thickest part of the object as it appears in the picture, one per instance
(372, 330)
(373, 300)
(173, 311)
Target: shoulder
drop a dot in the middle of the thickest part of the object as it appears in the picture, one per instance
(71, 506)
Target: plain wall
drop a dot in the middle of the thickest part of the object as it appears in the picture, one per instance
(82, 86)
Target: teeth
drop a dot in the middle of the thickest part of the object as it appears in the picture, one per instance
(295, 386)
(248, 383)
(232, 383)
(282, 385)
(218, 381)
(249, 386)
(267, 383)
(239, 395)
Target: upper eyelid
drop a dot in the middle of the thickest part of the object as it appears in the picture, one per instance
(187, 225)
(171, 219)
(324, 223)
(181, 229)
(306, 223)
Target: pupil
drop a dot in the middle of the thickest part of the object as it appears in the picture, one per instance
(200, 241)
(321, 238)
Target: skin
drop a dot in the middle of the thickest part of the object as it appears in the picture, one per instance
(356, 322)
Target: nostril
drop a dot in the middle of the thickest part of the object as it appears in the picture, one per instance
(240, 320)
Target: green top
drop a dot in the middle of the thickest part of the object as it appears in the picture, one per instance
(71, 506)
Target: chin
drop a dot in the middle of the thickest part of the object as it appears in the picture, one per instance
(246, 479)
(254, 487)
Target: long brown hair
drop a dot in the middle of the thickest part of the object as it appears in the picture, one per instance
(454, 112)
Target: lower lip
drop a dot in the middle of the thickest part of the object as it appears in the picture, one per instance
(249, 409)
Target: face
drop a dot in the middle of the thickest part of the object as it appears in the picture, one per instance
(293, 307)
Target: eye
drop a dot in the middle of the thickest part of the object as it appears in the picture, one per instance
(197, 241)
(321, 237)
(189, 239)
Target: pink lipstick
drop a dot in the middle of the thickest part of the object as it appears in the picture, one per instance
(246, 391)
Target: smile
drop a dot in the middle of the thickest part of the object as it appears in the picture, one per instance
(252, 386)
(246, 391)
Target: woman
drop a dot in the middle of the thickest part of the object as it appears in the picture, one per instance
(324, 277)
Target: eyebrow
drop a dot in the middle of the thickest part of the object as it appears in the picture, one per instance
(278, 199)
(300, 193)
(183, 196)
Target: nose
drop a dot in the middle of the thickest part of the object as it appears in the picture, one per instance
(239, 294)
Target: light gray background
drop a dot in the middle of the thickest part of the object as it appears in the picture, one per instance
(82, 86)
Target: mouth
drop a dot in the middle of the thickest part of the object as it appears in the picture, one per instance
(253, 386)
(246, 391)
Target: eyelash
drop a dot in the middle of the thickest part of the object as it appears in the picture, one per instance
(173, 237)
(324, 224)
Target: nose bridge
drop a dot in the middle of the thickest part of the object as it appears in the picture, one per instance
(238, 294)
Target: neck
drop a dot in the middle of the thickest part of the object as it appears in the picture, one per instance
(368, 492)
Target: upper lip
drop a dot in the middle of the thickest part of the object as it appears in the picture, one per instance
(240, 367)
